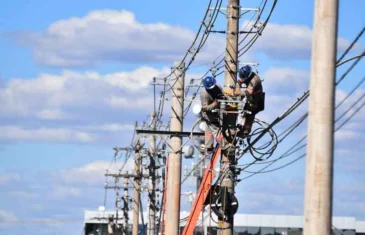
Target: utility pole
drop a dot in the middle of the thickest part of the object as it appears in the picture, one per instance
(231, 62)
(151, 180)
(201, 167)
(319, 162)
(125, 198)
(137, 187)
(125, 205)
(116, 228)
(174, 172)
(200, 174)
(228, 158)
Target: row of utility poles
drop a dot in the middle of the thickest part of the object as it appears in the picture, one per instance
(318, 189)
(173, 188)
(137, 177)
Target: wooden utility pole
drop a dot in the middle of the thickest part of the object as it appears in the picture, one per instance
(228, 159)
(137, 187)
(174, 172)
(151, 180)
(319, 162)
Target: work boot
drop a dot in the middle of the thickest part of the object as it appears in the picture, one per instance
(246, 132)
(209, 151)
(241, 132)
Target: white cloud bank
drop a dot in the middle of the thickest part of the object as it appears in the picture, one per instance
(92, 173)
(117, 36)
(6, 178)
(45, 96)
(108, 35)
(288, 41)
(45, 134)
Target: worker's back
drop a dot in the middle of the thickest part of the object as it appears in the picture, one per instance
(207, 97)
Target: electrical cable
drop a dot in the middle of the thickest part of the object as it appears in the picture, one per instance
(258, 18)
(351, 45)
(195, 39)
(287, 153)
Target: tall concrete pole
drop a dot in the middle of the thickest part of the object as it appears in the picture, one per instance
(319, 162)
(228, 159)
(199, 177)
(125, 205)
(137, 187)
(151, 181)
(174, 172)
(231, 62)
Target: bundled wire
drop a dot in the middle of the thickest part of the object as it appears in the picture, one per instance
(266, 150)
(292, 150)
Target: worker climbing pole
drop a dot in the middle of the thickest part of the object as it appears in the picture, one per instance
(220, 109)
(228, 158)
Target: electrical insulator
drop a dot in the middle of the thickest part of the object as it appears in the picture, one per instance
(188, 151)
(197, 109)
(202, 125)
(150, 182)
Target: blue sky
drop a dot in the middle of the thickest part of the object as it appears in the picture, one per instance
(75, 77)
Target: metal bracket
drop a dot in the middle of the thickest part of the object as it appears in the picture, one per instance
(234, 7)
(171, 133)
(250, 63)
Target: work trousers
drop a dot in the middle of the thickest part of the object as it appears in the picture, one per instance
(249, 118)
(211, 131)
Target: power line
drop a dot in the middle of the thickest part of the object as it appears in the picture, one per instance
(216, 65)
(288, 153)
(351, 45)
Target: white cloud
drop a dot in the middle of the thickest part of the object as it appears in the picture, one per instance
(287, 41)
(23, 195)
(283, 85)
(110, 35)
(49, 96)
(92, 173)
(356, 122)
(110, 127)
(44, 134)
(65, 192)
(7, 217)
(344, 134)
(75, 107)
(53, 114)
(6, 178)
(286, 80)
(36, 207)
(57, 223)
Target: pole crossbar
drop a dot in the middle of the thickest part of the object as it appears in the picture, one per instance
(171, 133)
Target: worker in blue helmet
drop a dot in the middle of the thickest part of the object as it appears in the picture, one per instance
(209, 97)
(250, 87)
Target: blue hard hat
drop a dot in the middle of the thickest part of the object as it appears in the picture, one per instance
(245, 73)
(209, 82)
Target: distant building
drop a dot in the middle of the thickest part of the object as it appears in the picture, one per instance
(96, 223)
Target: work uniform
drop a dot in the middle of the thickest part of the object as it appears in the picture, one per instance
(209, 100)
(255, 100)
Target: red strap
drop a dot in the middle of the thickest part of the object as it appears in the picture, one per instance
(219, 138)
